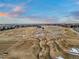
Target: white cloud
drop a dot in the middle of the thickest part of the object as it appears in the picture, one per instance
(69, 19)
(2, 5)
(26, 20)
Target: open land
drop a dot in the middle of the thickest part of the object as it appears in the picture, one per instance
(46, 42)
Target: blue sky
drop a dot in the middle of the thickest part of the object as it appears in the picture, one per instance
(39, 8)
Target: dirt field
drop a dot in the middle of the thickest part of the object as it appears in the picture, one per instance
(37, 43)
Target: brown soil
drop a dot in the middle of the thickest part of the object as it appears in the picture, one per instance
(37, 43)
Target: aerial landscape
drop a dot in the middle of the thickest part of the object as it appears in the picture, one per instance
(43, 41)
(39, 29)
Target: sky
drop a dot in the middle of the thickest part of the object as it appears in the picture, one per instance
(47, 11)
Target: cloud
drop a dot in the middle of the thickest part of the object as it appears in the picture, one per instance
(16, 11)
(29, 1)
(75, 14)
(3, 14)
(73, 17)
(2, 5)
(21, 20)
(76, 2)
(17, 8)
(69, 20)
(8, 5)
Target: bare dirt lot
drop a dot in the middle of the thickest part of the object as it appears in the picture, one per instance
(37, 43)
